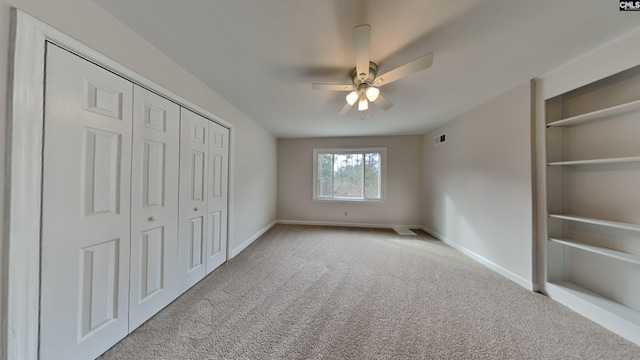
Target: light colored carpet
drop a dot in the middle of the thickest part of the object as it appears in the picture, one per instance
(303, 292)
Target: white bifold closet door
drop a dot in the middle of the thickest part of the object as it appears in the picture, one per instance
(85, 208)
(194, 166)
(154, 205)
(203, 196)
(217, 196)
(134, 205)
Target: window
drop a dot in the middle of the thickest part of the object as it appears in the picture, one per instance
(349, 174)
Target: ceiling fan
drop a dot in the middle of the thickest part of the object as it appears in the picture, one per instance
(365, 82)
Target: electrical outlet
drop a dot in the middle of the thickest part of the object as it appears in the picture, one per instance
(346, 213)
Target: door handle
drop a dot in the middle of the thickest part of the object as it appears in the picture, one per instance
(152, 218)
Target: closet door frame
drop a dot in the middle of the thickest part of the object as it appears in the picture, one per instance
(19, 334)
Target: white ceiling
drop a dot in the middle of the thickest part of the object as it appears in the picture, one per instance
(262, 55)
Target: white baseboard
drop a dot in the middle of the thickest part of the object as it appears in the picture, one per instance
(250, 240)
(360, 225)
(491, 265)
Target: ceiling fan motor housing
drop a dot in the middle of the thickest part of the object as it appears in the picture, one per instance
(373, 72)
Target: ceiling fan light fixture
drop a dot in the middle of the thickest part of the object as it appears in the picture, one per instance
(363, 104)
(352, 97)
(372, 93)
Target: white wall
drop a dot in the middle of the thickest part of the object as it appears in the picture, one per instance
(254, 204)
(477, 188)
(295, 182)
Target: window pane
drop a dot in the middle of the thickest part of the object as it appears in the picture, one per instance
(347, 176)
(325, 176)
(372, 176)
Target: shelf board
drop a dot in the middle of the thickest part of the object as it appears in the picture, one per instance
(613, 307)
(597, 161)
(608, 223)
(598, 114)
(614, 254)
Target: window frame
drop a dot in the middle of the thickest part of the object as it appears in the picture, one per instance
(355, 150)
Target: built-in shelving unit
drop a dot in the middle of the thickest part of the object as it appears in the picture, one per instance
(613, 224)
(593, 209)
(614, 254)
(596, 161)
(601, 114)
(594, 302)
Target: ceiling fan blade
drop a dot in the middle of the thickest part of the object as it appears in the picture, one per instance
(362, 44)
(345, 109)
(332, 87)
(421, 63)
(383, 103)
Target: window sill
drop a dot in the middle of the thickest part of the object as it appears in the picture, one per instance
(349, 200)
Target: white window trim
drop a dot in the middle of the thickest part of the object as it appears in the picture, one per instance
(21, 310)
(383, 176)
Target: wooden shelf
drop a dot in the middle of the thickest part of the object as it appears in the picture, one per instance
(624, 312)
(598, 114)
(608, 223)
(614, 254)
(597, 161)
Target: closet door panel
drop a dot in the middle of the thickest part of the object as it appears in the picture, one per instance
(154, 205)
(193, 226)
(85, 208)
(217, 203)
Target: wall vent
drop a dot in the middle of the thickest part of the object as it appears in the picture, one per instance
(440, 139)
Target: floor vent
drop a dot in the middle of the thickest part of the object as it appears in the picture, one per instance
(403, 230)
